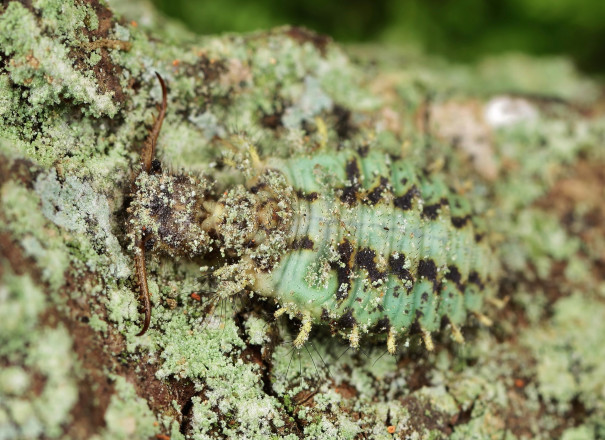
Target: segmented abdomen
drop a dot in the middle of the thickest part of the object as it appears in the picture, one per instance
(375, 245)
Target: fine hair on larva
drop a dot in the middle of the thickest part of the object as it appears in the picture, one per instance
(359, 241)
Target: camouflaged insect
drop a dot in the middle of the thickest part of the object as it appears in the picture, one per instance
(362, 243)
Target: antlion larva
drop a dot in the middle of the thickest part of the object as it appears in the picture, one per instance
(360, 242)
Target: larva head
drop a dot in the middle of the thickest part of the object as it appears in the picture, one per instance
(253, 222)
(167, 214)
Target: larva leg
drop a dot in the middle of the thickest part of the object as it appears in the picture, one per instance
(392, 341)
(483, 319)
(305, 327)
(354, 337)
(497, 302)
(305, 330)
(456, 333)
(428, 340)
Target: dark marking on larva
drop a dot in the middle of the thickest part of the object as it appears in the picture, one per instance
(454, 276)
(382, 325)
(262, 264)
(302, 243)
(398, 269)
(366, 259)
(479, 237)
(363, 151)
(350, 192)
(256, 188)
(459, 222)
(405, 201)
(310, 197)
(427, 269)
(347, 320)
(396, 290)
(432, 211)
(474, 278)
(375, 194)
(325, 315)
(343, 268)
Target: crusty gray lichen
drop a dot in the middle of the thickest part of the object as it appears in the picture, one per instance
(77, 96)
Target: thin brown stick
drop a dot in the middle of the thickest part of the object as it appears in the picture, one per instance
(139, 262)
(146, 158)
(149, 148)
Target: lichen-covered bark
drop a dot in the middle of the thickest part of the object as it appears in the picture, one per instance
(523, 138)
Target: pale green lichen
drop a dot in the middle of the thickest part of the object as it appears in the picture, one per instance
(51, 354)
(232, 387)
(310, 102)
(41, 64)
(29, 410)
(38, 238)
(75, 206)
(569, 352)
(257, 330)
(57, 17)
(22, 301)
(68, 224)
(128, 416)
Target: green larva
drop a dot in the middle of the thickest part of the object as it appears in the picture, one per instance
(363, 243)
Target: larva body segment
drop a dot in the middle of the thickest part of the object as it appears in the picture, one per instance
(373, 246)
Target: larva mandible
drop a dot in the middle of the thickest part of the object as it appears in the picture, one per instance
(354, 241)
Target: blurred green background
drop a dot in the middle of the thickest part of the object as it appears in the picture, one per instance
(461, 30)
